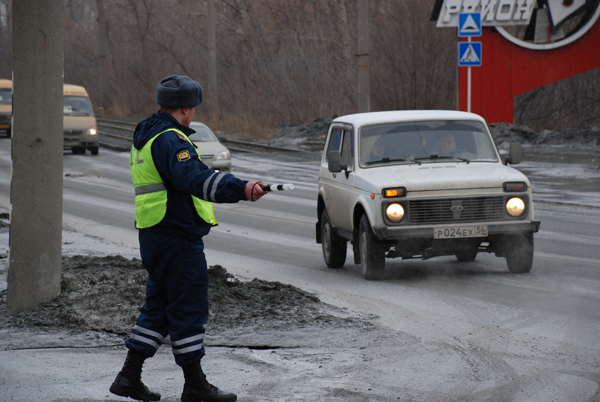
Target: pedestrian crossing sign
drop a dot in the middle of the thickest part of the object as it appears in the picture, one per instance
(469, 54)
(469, 24)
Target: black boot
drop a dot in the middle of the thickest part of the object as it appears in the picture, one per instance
(129, 380)
(197, 389)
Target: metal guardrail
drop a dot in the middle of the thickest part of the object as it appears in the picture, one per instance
(122, 131)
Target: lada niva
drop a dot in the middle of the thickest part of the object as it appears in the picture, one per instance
(421, 184)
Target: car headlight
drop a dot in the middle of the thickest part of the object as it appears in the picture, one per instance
(515, 206)
(222, 156)
(92, 131)
(394, 212)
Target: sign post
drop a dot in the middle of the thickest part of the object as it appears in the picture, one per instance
(529, 44)
(469, 53)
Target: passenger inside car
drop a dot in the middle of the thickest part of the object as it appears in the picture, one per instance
(396, 145)
(444, 144)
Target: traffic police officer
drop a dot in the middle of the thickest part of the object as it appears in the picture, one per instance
(174, 192)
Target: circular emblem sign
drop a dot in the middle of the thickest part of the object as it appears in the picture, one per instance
(554, 24)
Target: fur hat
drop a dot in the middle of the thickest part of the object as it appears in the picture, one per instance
(178, 91)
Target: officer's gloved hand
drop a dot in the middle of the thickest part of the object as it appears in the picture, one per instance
(253, 190)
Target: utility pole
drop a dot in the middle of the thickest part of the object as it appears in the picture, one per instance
(102, 54)
(212, 95)
(35, 245)
(364, 95)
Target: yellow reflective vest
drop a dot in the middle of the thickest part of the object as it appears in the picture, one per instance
(150, 190)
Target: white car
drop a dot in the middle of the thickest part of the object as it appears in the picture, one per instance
(421, 184)
(210, 149)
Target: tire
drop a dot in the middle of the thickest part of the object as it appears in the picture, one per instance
(519, 253)
(334, 247)
(9, 133)
(466, 256)
(94, 150)
(372, 251)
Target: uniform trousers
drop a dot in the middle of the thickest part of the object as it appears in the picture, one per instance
(176, 297)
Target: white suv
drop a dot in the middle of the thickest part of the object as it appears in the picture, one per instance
(421, 184)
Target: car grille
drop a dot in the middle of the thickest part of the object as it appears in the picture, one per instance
(479, 209)
(207, 157)
(73, 132)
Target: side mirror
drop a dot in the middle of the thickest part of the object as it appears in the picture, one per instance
(515, 154)
(335, 161)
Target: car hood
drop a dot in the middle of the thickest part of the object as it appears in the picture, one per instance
(78, 123)
(438, 176)
(209, 148)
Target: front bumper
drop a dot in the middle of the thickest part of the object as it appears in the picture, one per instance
(85, 141)
(398, 233)
(5, 121)
(220, 165)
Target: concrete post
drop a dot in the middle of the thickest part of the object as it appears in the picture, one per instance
(364, 83)
(34, 269)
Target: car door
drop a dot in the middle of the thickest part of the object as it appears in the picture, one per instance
(341, 193)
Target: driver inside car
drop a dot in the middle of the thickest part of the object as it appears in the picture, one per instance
(444, 145)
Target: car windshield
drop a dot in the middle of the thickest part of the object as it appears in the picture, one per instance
(202, 134)
(425, 141)
(5, 95)
(77, 106)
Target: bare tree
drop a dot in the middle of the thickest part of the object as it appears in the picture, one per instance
(568, 103)
(281, 61)
(415, 64)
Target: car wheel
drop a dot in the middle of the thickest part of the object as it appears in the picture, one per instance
(372, 251)
(519, 253)
(8, 133)
(94, 150)
(334, 246)
(466, 256)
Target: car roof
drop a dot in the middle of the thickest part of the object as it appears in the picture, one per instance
(74, 90)
(198, 124)
(68, 89)
(361, 119)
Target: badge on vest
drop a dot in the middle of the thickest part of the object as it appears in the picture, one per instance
(183, 156)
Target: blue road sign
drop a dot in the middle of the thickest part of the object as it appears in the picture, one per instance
(469, 54)
(469, 24)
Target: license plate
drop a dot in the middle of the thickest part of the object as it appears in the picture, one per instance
(457, 232)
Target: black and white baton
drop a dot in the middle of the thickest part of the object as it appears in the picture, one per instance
(277, 187)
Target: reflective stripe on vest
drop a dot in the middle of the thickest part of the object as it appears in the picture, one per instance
(150, 188)
(151, 192)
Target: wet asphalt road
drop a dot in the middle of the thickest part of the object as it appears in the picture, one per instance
(470, 331)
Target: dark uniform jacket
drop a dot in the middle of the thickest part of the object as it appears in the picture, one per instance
(184, 177)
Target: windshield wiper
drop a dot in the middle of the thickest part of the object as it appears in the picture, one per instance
(386, 160)
(436, 157)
